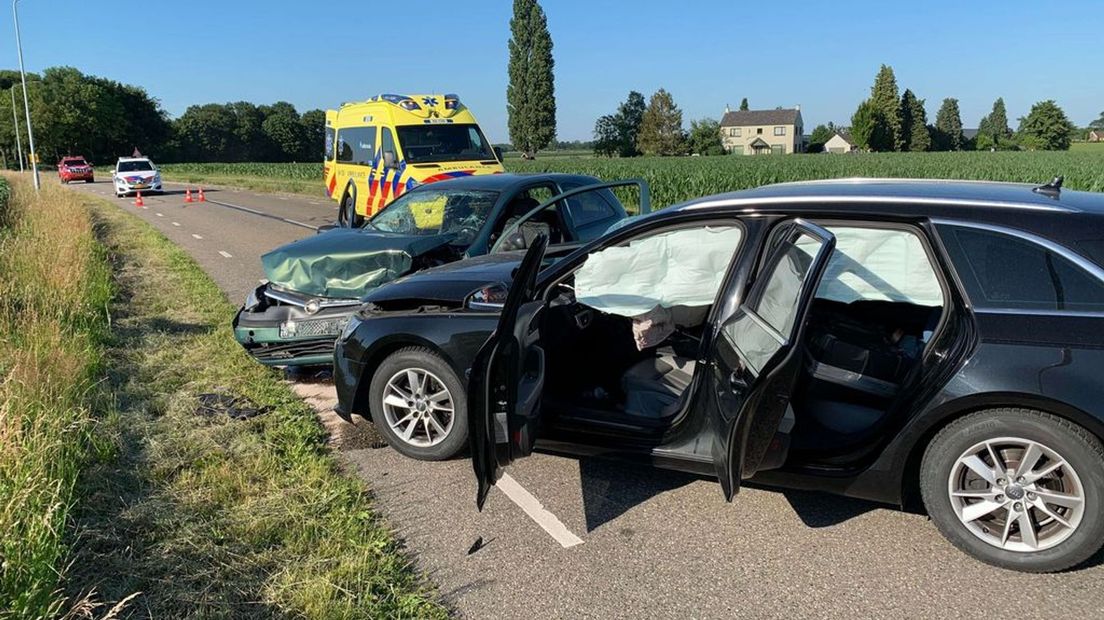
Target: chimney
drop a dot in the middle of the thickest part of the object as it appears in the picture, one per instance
(798, 107)
(727, 110)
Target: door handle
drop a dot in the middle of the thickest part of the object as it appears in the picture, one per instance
(737, 382)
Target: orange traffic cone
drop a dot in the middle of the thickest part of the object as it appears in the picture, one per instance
(188, 195)
(138, 201)
(202, 198)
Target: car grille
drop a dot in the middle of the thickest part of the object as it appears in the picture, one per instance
(277, 352)
(313, 328)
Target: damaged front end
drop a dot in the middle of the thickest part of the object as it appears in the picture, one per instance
(279, 327)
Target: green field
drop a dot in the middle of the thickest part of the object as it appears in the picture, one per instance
(674, 179)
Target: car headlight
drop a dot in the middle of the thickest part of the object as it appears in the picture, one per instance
(488, 298)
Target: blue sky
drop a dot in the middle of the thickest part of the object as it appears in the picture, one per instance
(821, 55)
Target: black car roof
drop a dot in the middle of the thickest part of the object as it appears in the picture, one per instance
(874, 195)
(507, 181)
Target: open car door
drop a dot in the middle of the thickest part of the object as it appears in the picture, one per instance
(507, 375)
(519, 234)
(758, 353)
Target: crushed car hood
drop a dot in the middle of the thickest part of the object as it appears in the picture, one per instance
(346, 263)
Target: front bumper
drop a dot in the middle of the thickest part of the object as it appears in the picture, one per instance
(127, 188)
(69, 177)
(285, 332)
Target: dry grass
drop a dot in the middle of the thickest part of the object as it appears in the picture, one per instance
(54, 288)
(207, 516)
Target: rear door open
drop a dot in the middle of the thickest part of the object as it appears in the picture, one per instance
(757, 354)
(507, 377)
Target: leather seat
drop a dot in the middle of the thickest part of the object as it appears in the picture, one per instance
(653, 386)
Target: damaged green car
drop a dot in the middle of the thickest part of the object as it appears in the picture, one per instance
(315, 284)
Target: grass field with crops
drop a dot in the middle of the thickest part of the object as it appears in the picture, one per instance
(676, 179)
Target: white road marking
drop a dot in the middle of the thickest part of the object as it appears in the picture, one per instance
(196, 236)
(536, 511)
(160, 215)
(313, 202)
(226, 254)
(176, 223)
(282, 197)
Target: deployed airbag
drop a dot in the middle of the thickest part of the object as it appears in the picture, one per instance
(678, 268)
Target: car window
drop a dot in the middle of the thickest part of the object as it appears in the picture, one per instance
(879, 264)
(766, 321)
(434, 142)
(356, 145)
(431, 211)
(134, 166)
(1002, 271)
(331, 142)
(682, 267)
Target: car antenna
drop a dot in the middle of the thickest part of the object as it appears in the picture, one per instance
(1052, 189)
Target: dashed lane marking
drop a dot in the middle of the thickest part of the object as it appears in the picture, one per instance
(537, 512)
(160, 215)
(226, 254)
(176, 223)
(195, 236)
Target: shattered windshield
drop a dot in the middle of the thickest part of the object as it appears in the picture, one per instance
(431, 211)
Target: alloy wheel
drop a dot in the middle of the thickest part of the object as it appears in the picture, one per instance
(1016, 494)
(418, 407)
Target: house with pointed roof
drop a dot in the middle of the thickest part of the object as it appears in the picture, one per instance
(840, 142)
(763, 132)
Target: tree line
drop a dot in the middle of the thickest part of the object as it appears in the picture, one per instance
(886, 122)
(77, 114)
(654, 128)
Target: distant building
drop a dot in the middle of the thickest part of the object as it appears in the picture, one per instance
(763, 132)
(1096, 135)
(840, 142)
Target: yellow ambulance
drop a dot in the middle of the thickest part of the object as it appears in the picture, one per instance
(379, 148)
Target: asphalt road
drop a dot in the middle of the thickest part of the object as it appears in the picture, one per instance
(653, 543)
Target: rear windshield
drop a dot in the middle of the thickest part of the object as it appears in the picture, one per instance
(74, 162)
(440, 143)
(134, 166)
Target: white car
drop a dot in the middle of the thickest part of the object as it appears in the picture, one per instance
(135, 174)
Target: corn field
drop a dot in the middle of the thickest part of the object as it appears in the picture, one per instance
(674, 180)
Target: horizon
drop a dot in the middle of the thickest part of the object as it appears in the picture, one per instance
(827, 66)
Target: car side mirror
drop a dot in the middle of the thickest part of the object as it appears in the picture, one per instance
(499, 153)
(325, 228)
(389, 160)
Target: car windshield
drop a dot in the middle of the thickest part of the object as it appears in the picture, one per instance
(74, 162)
(438, 143)
(134, 166)
(437, 211)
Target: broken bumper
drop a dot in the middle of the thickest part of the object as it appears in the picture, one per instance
(284, 328)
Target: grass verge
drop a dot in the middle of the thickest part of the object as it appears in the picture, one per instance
(54, 290)
(203, 515)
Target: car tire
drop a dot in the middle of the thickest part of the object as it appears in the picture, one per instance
(1000, 522)
(90, 180)
(347, 216)
(391, 381)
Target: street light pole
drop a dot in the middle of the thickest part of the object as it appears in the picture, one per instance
(15, 124)
(26, 102)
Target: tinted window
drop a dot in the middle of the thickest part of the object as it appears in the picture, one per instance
(443, 142)
(589, 207)
(879, 264)
(134, 166)
(1003, 271)
(328, 153)
(356, 145)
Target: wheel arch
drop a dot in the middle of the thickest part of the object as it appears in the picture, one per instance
(375, 357)
(949, 412)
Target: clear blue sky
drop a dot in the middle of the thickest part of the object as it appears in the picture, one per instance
(822, 55)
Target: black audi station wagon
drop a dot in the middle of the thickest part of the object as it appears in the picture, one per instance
(881, 339)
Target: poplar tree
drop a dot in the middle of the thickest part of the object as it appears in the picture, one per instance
(530, 95)
(914, 123)
(948, 126)
(887, 105)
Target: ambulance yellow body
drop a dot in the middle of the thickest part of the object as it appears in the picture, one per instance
(379, 148)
